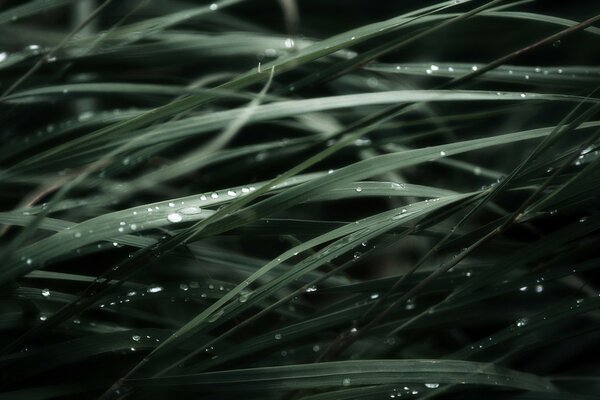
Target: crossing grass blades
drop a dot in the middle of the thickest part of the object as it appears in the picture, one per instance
(299, 199)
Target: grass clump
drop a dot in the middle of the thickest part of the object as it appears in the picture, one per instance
(299, 200)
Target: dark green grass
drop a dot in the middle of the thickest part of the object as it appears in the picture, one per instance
(299, 200)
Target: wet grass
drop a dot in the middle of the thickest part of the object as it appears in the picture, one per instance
(312, 200)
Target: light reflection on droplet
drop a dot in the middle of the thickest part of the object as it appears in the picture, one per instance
(174, 217)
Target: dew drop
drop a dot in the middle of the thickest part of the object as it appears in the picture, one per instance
(346, 382)
(311, 289)
(33, 47)
(522, 322)
(586, 150)
(374, 296)
(288, 43)
(362, 142)
(539, 288)
(214, 7)
(45, 292)
(244, 297)
(84, 116)
(136, 338)
(359, 189)
(432, 385)
(174, 217)
(190, 210)
(184, 287)
(155, 289)
(277, 336)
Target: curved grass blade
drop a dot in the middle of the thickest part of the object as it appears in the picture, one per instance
(353, 373)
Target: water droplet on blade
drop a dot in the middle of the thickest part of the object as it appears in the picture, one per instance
(174, 217)
(522, 322)
(190, 210)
